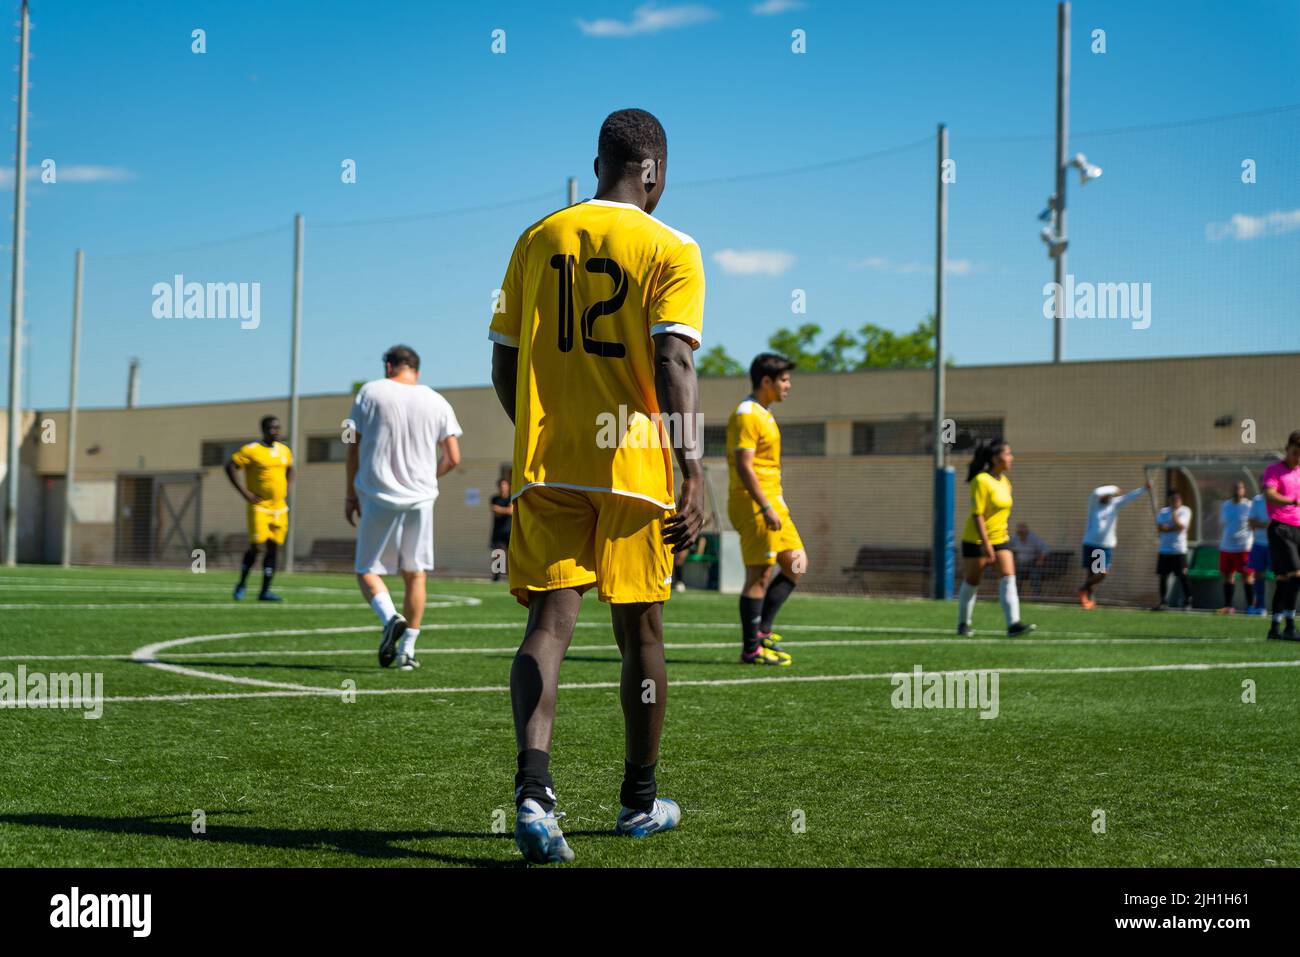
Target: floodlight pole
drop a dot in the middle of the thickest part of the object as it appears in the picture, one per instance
(294, 355)
(941, 555)
(573, 190)
(71, 438)
(16, 303)
(1058, 201)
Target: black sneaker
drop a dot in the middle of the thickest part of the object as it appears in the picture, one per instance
(1020, 628)
(393, 632)
(1274, 630)
(1289, 633)
(964, 631)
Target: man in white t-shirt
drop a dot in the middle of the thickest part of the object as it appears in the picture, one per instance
(1259, 555)
(1234, 546)
(1100, 537)
(405, 440)
(1172, 522)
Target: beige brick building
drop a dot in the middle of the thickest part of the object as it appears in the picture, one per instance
(149, 483)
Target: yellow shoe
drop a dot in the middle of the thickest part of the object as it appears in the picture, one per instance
(766, 656)
(770, 641)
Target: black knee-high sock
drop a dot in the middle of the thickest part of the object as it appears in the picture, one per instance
(751, 611)
(533, 779)
(246, 565)
(1284, 595)
(1228, 588)
(777, 592)
(1164, 588)
(639, 787)
(268, 566)
(1187, 587)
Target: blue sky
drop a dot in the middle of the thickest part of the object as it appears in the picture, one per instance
(159, 150)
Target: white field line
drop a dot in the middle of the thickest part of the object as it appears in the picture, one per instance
(304, 692)
(671, 646)
(435, 601)
(17, 585)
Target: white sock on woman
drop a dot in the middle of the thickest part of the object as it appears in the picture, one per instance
(966, 602)
(1010, 599)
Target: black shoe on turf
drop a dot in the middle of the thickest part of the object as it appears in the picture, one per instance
(393, 632)
(1274, 630)
(1289, 633)
(964, 631)
(1020, 628)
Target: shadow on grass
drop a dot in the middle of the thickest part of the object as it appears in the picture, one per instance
(372, 844)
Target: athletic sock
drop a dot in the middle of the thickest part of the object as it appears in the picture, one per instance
(639, 787)
(1186, 586)
(533, 779)
(1261, 590)
(1228, 589)
(777, 592)
(407, 645)
(751, 611)
(383, 605)
(1282, 597)
(246, 566)
(268, 572)
(1010, 599)
(966, 602)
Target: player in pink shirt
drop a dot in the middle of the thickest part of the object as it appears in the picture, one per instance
(1281, 486)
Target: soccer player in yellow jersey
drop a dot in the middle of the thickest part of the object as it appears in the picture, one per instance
(593, 332)
(268, 476)
(986, 539)
(757, 509)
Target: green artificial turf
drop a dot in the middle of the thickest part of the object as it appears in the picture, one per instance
(770, 768)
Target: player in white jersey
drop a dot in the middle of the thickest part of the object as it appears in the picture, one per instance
(1100, 537)
(1234, 546)
(405, 440)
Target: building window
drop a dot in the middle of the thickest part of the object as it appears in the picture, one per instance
(326, 448)
(915, 436)
(803, 438)
(217, 453)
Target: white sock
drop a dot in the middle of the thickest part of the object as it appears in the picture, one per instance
(382, 603)
(1010, 599)
(966, 602)
(407, 645)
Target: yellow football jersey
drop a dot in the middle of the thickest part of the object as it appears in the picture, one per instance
(990, 497)
(585, 290)
(752, 426)
(266, 470)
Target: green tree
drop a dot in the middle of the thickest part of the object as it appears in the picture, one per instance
(717, 362)
(885, 349)
(835, 355)
(797, 345)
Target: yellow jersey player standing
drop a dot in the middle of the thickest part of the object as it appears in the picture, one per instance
(986, 539)
(268, 476)
(593, 332)
(757, 509)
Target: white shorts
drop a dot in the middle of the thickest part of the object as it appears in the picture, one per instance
(391, 539)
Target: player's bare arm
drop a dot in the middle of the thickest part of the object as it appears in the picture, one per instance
(505, 371)
(448, 455)
(351, 506)
(679, 394)
(1274, 497)
(232, 473)
(749, 478)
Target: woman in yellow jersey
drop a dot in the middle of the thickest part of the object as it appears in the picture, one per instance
(987, 539)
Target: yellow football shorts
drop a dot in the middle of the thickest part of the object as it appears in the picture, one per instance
(267, 523)
(566, 538)
(759, 545)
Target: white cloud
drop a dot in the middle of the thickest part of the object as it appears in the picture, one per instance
(68, 174)
(770, 8)
(753, 262)
(956, 267)
(1242, 226)
(648, 19)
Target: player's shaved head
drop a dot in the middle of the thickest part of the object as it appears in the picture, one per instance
(629, 137)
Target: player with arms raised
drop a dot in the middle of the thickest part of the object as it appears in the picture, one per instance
(598, 315)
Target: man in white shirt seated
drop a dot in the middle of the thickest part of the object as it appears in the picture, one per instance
(1100, 537)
